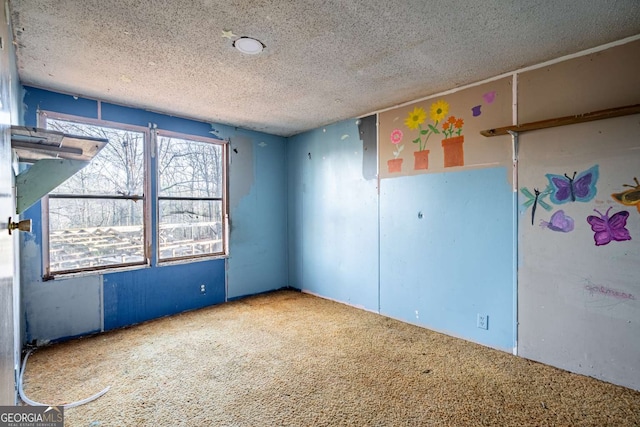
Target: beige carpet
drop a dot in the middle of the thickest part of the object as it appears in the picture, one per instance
(291, 359)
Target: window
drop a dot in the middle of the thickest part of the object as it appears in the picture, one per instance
(191, 189)
(96, 217)
(102, 218)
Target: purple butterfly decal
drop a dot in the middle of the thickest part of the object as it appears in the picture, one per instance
(608, 228)
(571, 188)
(489, 97)
(559, 222)
(476, 110)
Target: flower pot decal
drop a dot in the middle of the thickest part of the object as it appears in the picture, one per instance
(421, 159)
(453, 145)
(453, 151)
(415, 120)
(395, 164)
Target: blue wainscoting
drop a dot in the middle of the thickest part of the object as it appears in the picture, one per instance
(136, 296)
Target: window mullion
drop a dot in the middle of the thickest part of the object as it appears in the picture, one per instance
(151, 204)
(214, 199)
(94, 196)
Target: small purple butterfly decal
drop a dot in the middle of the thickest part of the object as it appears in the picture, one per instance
(489, 97)
(571, 188)
(559, 222)
(476, 110)
(608, 228)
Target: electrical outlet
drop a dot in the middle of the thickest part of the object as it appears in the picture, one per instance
(203, 289)
(483, 321)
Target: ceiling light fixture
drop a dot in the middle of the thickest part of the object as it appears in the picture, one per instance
(248, 45)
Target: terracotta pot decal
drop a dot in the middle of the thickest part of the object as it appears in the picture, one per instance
(421, 159)
(453, 151)
(395, 165)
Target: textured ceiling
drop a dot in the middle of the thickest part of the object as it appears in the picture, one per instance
(324, 60)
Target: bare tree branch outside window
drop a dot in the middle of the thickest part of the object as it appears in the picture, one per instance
(97, 217)
(190, 191)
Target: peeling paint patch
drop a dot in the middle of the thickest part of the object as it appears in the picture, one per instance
(263, 144)
(368, 134)
(241, 176)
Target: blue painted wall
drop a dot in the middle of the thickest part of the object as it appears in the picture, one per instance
(441, 270)
(258, 202)
(135, 296)
(423, 271)
(333, 217)
(67, 307)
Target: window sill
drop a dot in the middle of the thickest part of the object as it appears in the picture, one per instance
(76, 274)
(170, 262)
(167, 263)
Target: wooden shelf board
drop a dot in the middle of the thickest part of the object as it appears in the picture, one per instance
(568, 120)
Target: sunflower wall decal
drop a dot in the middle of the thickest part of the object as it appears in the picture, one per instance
(416, 121)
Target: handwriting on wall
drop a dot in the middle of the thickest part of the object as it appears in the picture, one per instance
(613, 293)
